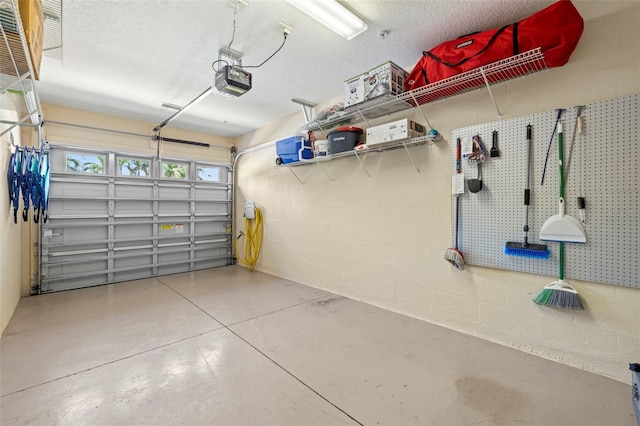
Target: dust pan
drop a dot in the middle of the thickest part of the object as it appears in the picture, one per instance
(562, 227)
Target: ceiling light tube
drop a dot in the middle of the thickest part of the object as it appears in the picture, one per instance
(332, 15)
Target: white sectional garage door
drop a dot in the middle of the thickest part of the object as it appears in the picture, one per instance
(116, 217)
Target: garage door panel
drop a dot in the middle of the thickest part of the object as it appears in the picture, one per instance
(174, 207)
(217, 209)
(75, 207)
(142, 191)
(142, 231)
(130, 275)
(84, 234)
(174, 269)
(210, 227)
(76, 269)
(132, 261)
(211, 193)
(78, 282)
(209, 252)
(109, 224)
(179, 191)
(133, 207)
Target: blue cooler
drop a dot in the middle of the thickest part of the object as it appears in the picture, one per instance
(292, 149)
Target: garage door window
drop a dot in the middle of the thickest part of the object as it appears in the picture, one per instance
(208, 174)
(133, 167)
(175, 170)
(85, 163)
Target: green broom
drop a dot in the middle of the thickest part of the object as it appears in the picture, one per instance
(561, 294)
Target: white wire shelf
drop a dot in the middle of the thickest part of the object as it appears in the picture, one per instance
(510, 68)
(420, 140)
(361, 154)
(16, 68)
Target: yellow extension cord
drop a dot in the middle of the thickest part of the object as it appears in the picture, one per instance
(253, 229)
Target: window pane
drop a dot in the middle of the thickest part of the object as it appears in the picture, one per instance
(174, 170)
(210, 174)
(85, 163)
(133, 167)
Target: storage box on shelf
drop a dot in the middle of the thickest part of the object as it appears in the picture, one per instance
(293, 149)
(382, 80)
(33, 25)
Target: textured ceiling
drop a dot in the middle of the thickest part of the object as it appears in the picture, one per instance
(126, 58)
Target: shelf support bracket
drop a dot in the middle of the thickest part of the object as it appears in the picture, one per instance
(364, 118)
(14, 83)
(419, 107)
(404, 144)
(324, 170)
(307, 108)
(361, 160)
(15, 124)
(294, 173)
(486, 82)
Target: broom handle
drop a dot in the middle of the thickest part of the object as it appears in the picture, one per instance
(458, 171)
(561, 262)
(527, 191)
(561, 178)
(561, 158)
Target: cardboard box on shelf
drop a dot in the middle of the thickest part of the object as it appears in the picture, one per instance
(33, 24)
(354, 90)
(385, 79)
(394, 131)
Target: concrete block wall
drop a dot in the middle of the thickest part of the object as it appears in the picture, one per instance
(382, 239)
(10, 239)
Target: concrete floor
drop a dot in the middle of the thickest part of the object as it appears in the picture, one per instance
(230, 347)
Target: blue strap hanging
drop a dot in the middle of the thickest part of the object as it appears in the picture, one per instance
(36, 183)
(43, 186)
(13, 182)
(28, 173)
(25, 181)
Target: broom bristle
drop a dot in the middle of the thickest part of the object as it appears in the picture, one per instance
(559, 298)
(536, 251)
(454, 257)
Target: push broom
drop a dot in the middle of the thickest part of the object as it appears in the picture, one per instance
(561, 228)
(454, 255)
(524, 248)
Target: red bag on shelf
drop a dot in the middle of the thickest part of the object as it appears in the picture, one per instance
(556, 29)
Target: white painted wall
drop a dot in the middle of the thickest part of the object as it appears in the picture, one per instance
(10, 240)
(382, 239)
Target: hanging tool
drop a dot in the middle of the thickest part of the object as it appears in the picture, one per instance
(25, 183)
(45, 173)
(494, 152)
(13, 181)
(526, 249)
(582, 203)
(544, 170)
(478, 156)
(453, 255)
(562, 228)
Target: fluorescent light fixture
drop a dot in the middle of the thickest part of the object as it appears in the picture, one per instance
(332, 15)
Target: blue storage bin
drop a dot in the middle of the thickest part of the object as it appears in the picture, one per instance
(292, 149)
